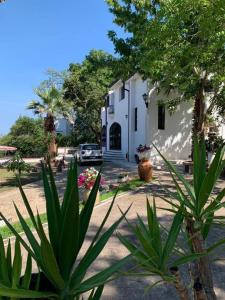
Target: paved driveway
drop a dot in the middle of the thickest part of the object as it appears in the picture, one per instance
(35, 195)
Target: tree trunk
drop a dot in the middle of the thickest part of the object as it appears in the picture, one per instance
(179, 286)
(205, 277)
(198, 115)
(49, 125)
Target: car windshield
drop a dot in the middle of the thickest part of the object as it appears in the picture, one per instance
(91, 147)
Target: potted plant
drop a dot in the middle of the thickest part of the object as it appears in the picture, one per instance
(144, 166)
(86, 180)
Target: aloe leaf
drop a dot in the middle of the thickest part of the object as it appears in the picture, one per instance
(172, 236)
(215, 204)
(17, 265)
(30, 236)
(138, 254)
(24, 294)
(207, 225)
(104, 220)
(27, 275)
(199, 165)
(52, 214)
(97, 294)
(101, 277)
(9, 260)
(186, 259)
(211, 177)
(187, 186)
(26, 202)
(25, 245)
(70, 229)
(86, 213)
(157, 243)
(4, 274)
(48, 261)
(93, 253)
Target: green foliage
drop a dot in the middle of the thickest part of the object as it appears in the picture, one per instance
(17, 164)
(197, 200)
(57, 255)
(13, 284)
(86, 85)
(66, 140)
(27, 136)
(156, 251)
(179, 49)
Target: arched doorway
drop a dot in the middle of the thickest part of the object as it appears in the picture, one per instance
(115, 136)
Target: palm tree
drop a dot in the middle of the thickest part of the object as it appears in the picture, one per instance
(50, 106)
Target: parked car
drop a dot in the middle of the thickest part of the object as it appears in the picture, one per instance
(89, 153)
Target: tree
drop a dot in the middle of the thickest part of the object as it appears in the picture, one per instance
(179, 44)
(50, 106)
(86, 85)
(27, 136)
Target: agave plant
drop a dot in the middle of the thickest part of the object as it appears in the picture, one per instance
(157, 251)
(12, 283)
(198, 205)
(56, 252)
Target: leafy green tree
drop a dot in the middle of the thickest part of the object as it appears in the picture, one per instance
(51, 104)
(85, 86)
(27, 136)
(179, 44)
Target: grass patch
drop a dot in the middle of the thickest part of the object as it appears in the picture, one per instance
(124, 187)
(8, 179)
(6, 232)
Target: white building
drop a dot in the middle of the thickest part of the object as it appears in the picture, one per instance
(63, 126)
(128, 122)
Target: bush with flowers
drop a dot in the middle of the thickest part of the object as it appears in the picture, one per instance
(87, 178)
(143, 152)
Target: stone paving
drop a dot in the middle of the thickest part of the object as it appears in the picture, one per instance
(35, 193)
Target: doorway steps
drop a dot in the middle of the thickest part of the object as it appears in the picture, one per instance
(111, 155)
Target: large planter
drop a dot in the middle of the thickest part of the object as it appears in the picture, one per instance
(86, 194)
(145, 170)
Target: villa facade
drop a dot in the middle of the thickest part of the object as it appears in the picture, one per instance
(128, 121)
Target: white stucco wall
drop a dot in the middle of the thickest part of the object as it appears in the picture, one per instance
(120, 116)
(138, 88)
(174, 142)
(63, 126)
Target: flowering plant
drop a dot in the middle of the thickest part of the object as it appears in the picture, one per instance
(88, 177)
(143, 151)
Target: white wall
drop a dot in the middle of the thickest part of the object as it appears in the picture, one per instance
(63, 126)
(138, 88)
(174, 142)
(119, 116)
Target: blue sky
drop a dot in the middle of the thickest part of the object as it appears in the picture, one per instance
(39, 34)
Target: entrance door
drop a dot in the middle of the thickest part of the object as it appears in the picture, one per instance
(115, 136)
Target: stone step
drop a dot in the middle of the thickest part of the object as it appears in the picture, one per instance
(113, 155)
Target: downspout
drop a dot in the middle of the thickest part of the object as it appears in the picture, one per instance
(128, 130)
(106, 123)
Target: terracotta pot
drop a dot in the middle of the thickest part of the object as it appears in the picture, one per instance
(86, 194)
(145, 170)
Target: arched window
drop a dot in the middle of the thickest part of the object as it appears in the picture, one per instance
(104, 136)
(115, 136)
